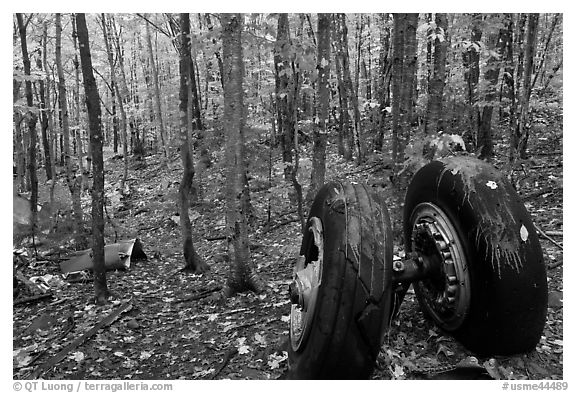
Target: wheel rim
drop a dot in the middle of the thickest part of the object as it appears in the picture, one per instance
(304, 287)
(446, 294)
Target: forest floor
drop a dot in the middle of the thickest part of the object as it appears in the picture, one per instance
(177, 328)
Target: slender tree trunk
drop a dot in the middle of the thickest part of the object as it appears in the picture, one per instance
(398, 111)
(71, 178)
(242, 275)
(157, 102)
(216, 52)
(496, 44)
(44, 86)
(31, 119)
(344, 88)
(404, 70)
(93, 107)
(323, 92)
(524, 118)
(76, 95)
(285, 93)
(384, 79)
(519, 68)
(124, 98)
(540, 68)
(49, 148)
(434, 119)
(471, 62)
(195, 97)
(19, 150)
(358, 144)
(409, 81)
(194, 263)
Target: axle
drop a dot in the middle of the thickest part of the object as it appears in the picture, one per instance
(415, 267)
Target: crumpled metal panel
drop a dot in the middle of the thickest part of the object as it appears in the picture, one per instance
(116, 256)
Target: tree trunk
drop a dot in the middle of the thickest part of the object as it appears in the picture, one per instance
(44, 85)
(93, 107)
(384, 79)
(78, 128)
(216, 53)
(285, 94)
(196, 104)
(193, 262)
(71, 178)
(50, 159)
(124, 98)
(523, 130)
(496, 44)
(323, 92)
(346, 135)
(471, 62)
(31, 118)
(358, 144)
(398, 112)
(157, 102)
(435, 118)
(242, 275)
(404, 71)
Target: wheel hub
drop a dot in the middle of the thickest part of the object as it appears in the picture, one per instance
(446, 292)
(303, 289)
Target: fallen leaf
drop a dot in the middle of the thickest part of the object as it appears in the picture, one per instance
(243, 349)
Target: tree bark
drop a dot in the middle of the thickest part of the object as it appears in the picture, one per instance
(398, 111)
(435, 118)
(44, 86)
(523, 128)
(285, 94)
(31, 118)
(193, 262)
(496, 44)
(471, 62)
(76, 95)
(93, 108)
(157, 102)
(124, 98)
(346, 135)
(242, 275)
(384, 79)
(323, 92)
(404, 72)
(71, 177)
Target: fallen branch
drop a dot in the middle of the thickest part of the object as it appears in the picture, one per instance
(229, 355)
(32, 299)
(108, 320)
(554, 233)
(555, 265)
(536, 194)
(198, 296)
(274, 227)
(545, 236)
(211, 239)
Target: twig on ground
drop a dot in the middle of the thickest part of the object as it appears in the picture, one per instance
(199, 295)
(32, 299)
(536, 194)
(213, 238)
(229, 355)
(274, 227)
(108, 320)
(545, 236)
(554, 233)
(555, 265)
